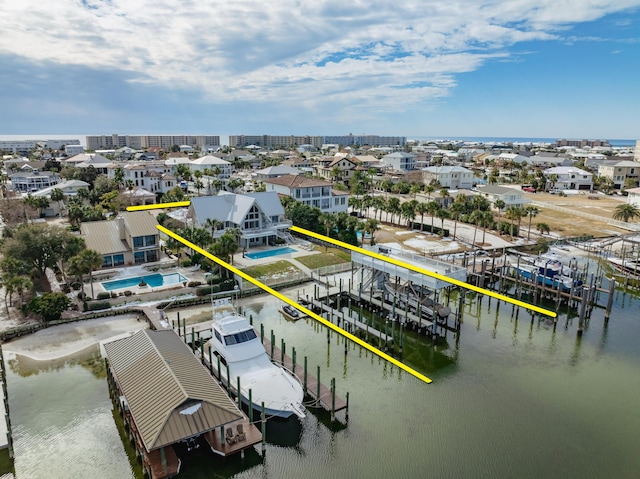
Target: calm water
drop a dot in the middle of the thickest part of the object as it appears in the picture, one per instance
(153, 280)
(511, 397)
(270, 253)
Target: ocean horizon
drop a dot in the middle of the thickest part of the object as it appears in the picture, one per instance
(224, 139)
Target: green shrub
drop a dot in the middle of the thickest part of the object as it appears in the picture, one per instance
(81, 295)
(114, 294)
(103, 295)
(75, 285)
(96, 305)
(185, 263)
(203, 291)
(193, 284)
(214, 279)
(128, 293)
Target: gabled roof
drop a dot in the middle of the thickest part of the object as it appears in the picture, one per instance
(170, 394)
(566, 170)
(234, 207)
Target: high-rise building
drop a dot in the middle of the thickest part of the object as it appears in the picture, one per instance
(139, 142)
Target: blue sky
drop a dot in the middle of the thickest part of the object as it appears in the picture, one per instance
(523, 68)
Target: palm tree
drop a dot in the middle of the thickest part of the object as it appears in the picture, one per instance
(422, 208)
(58, 195)
(393, 207)
(213, 224)
(543, 228)
(531, 212)
(442, 214)
(371, 225)
(499, 205)
(432, 209)
(514, 213)
(428, 189)
(408, 211)
(118, 176)
(327, 220)
(130, 186)
(626, 212)
(87, 261)
(457, 208)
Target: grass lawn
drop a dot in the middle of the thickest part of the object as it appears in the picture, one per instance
(331, 257)
(270, 269)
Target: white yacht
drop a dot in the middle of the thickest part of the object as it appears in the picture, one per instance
(239, 347)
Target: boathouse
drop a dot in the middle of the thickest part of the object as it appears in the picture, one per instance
(167, 397)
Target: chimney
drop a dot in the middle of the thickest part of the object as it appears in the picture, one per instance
(121, 228)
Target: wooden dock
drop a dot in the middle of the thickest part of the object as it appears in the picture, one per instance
(345, 319)
(321, 394)
(223, 448)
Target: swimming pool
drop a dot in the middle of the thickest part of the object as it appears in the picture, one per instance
(270, 253)
(153, 280)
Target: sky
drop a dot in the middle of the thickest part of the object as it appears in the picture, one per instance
(438, 68)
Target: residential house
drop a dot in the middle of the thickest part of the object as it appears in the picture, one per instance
(275, 171)
(549, 161)
(620, 171)
(132, 238)
(400, 161)
(511, 196)
(259, 216)
(339, 168)
(211, 162)
(69, 188)
(30, 181)
(454, 177)
(633, 197)
(311, 191)
(570, 178)
(155, 177)
(85, 160)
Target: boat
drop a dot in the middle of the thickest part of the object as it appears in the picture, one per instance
(242, 355)
(290, 312)
(627, 266)
(548, 269)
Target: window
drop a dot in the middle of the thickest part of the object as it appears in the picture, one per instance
(138, 257)
(241, 337)
(150, 240)
(138, 241)
(107, 261)
(218, 336)
(152, 256)
(118, 259)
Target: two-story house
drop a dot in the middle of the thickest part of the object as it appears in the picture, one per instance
(213, 163)
(259, 216)
(619, 171)
(29, 181)
(454, 177)
(313, 192)
(340, 168)
(400, 161)
(132, 238)
(511, 196)
(570, 178)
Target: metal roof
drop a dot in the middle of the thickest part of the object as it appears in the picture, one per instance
(170, 394)
(105, 238)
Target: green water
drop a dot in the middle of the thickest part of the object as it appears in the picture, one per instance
(511, 397)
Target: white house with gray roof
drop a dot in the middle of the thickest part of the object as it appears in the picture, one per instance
(570, 178)
(259, 216)
(510, 196)
(454, 177)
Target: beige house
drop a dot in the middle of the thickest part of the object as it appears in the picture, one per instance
(316, 193)
(132, 238)
(619, 172)
(510, 196)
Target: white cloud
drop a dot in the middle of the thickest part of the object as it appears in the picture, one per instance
(387, 53)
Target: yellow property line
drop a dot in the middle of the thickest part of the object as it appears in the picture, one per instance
(299, 307)
(441, 277)
(175, 204)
